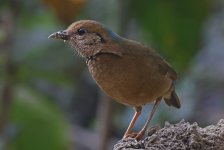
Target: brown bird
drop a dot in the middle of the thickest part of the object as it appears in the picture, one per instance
(127, 71)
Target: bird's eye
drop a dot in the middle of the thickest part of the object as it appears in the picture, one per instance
(81, 31)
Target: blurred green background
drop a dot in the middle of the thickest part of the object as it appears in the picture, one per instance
(48, 100)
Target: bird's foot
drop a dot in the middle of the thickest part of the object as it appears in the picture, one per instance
(140, 136)
(137, 136)
(130, 135)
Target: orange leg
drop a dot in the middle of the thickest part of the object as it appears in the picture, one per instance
(134, 119)
(142, 132)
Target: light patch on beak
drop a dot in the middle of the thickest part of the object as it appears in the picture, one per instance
(62, 35)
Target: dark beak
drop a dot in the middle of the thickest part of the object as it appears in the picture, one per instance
(62, 35)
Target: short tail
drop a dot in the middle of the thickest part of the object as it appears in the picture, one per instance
(172, 100)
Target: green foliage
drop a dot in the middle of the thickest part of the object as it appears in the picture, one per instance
(174, 25)
(39, 124)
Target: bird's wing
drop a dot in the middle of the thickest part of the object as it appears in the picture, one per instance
(152, 56)
(165, 68)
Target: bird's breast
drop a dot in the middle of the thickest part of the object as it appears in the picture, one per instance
(127, 79)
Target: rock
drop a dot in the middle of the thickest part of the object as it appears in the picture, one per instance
(180, 136)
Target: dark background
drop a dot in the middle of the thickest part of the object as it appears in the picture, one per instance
(48, 100)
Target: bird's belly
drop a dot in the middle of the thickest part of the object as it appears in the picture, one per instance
(128, 84)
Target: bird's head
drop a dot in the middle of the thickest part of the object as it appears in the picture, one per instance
(89, 37)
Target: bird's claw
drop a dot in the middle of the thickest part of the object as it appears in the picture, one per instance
(137, 136)
(130, 135)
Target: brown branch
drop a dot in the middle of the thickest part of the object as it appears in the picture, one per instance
(104, 118)
(8, 23)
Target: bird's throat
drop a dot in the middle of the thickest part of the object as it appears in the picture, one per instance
(93, 57)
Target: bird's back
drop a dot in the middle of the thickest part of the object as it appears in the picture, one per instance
(150, 55)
